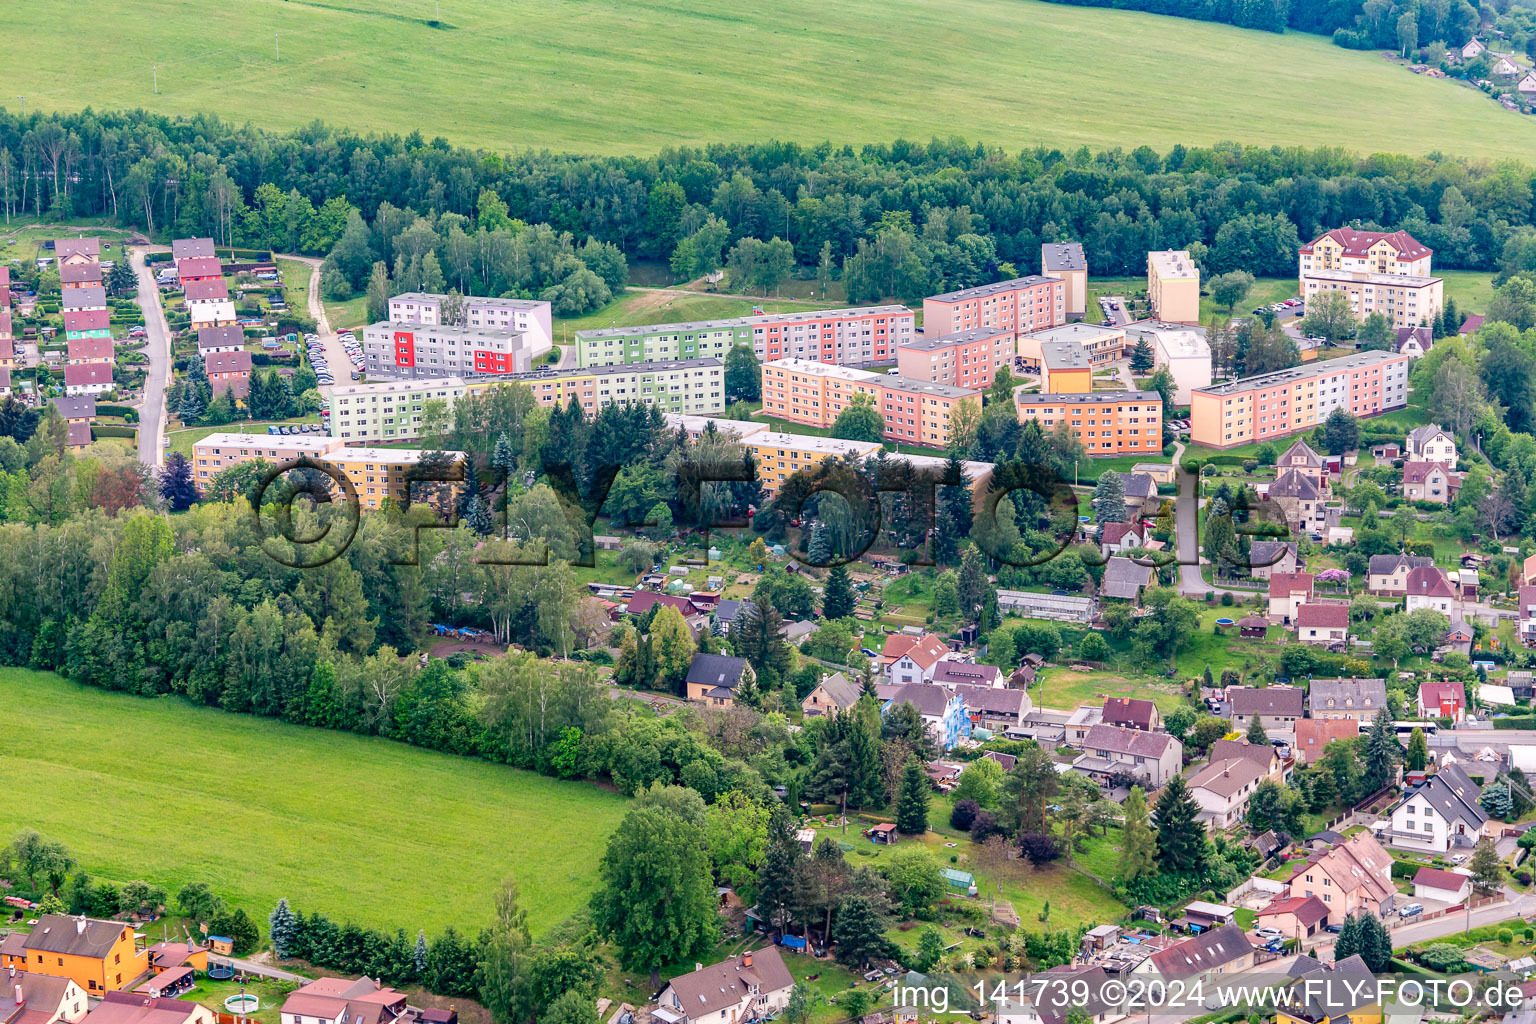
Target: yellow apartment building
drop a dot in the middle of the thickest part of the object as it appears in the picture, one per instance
(780, 456)
(1065, 368)
(1173, 286)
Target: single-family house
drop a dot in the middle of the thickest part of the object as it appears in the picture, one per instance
(1387, 575)
(1117, 538)
(88, 379)
(713, 678)
(1132, 713)
(1449, 887)
(1472, 48)
(86, 298)
(1267, 557)
(1414, 342)
(1525, 615)
(77, 251)
(1323, 625)
(27, 998)
(1270, 764)
(229, 338)
(1343, 992)
(1503, 67)
(89, 350)
(750, 987)
(76, 408)
(1141, 499)
(1278, 708)
(1440, 814)
(137, 1008)
(99, 956)
(965, 673)
(1430, 443)
(79, 275)
(1301, 499)
(833, 694)
(912, 659)
(198, 268)
(1314, 734)
(165, 955)
(1288, 591)
(726, 610)
(1125, 579)
(1110, 750)
(343, 1001)
(1356, 699)
(1223, 950)
(1428, 587)
(1222, 789)
(941, 709)
(1430, 481)
(229, 371)
(1442, 698)
(1352, 876)
(188, 248)
(991, 707)
(797, 632)
(87, 323)
(1295, 917)
(203, 292)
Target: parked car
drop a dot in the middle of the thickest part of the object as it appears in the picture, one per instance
(1334, 928)
(1268, 933)
(1411, 910)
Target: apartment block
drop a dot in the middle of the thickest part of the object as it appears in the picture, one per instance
(916, 412)
(388, 410)
(1105, 423)
(377, 474)
(968, 359)
(857, 336)
(779, 456)
(1173, 286)
(685, 387)
(1183, 350)
(1405, 300)
(1024, 304)
(524, 316)
(411, 349)
(1065, 368)
(1274, 405)
(1065, 260)
(1366, 252)
(1103, 344)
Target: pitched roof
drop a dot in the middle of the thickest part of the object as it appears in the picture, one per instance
(643, 599)
(1203, 952)
(87, 373)
(1452, 793)
(1419, 436)
(1226, 777)
(1284, 584)
(1261, 754)
(79, 273)
(955, 673)
(1429, 581)
(1347, 694)
(1119, 740)
(1435, 878)
(1138, 485)
(1129, 711)
(1423, 335)
(1293, 484)
(1386, 565)
(1432, 692)
(843, 693)
(186, 248)
(1308, 909)
(64, 248)
(1114, 533)
(99, 349)
(992, 699)
(716, 670)
(79, 435)
(1303, 451)
(75, 936)
(1313, 734)
(925, 650)
(1356, 987)
(73, 407)
(1419, 472)
(929, 699)
(198, 266)
(41, 994)
(713, 988)
(1267, 552)
(1124, 577)
(1323, 616)
(1357, 243)
(228, 362)
(221, 337)
(85, 297)
(1360, 862)
(86, 320)
(135, 1008)
(212, 289)
(1267, 700)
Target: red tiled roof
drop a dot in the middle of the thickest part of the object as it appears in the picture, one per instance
(1308, 909)
(1327, 616)
(1435, 878)
(1313, 734)
(642, 601)
(1356, 243)
(87, 373)
(228, 362)
(1418, 472)
(1433, 692)
(97, 349)
(925, 650)
(198, 266)
(1429, 581)
(1129, 711)
(1283, 584)
(1113, 533)
(87, 320)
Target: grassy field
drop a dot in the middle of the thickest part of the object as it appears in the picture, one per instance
(1066, 690)
(654, 306)
(182, 440)
(361, 829)
(596, 76)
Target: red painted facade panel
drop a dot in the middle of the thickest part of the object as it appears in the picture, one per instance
(405, 348)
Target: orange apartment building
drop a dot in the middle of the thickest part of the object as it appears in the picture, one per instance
(1105, 423)
(99, 956)
(853, 337)
(1024, 304)
(1065, 368)
(967, 360)
(377, 474)
(916, 412)
(1274, 405)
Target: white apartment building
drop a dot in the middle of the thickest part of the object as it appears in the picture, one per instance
(411, 349)
(1384, 272)
(387, 410)
(1183, 350)
(525, 316)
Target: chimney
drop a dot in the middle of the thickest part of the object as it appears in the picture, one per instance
(21, 1000)
(80, 925)
(698, 966)
(746, 959)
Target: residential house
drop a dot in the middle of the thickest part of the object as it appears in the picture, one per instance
(941, 709)
(1440, 814)
(1428, 587)
(1084, 718)
(1472, 49)
(165, 955)
(99, 956)
(76, 409)
(137, 1008)
(798, 632)
(1449, 887)
(1041, 1002)
(713, 678)
(79, 275)
(1173, 286)
(1503, 67)
(86, 298)
(77, 251)
(1267, 557)
(220, 339)
(1414, 342)
(1355, 699)
(1223, 950)
(1270, 764)
(1301, 496)
(833, 694)
(1442, 698)
(1125, 579)
(27, 998)
(198, 268)
(1264, 407)
(1525, 615)
(1343, 992)
(1387, 575)
(991, 707)
(1430, 443)
(643, 600)
(1353, 876)
(343, 1001)
(1130, 713)
(1116, 538)
(87, 323)
(1141, 497)
(190, 248)
(1110, 750)
(1323, 625)
(1288, 591)
(1430, 481)
(229, 371)
(1222, 789)
(1314, 734)
(965, 673)
(1527, 84)
(752, 986)
(1278, 708)
(1294, 917)
(88, 379)
(89, 350)
(912, 659)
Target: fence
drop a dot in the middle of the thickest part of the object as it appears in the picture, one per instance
(1268, 886)
(1461, 908)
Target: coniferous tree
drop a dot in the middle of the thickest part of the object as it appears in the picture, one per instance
(1484, 865)
(1181, 842)
(176, 484)
(1109, 499)
(1382, 753)
(1138, 844)
(859, 931)
(912, 800)
(281, 928)
(838, 599)
(1256, 734)
(1418, 751)
(1142, 358)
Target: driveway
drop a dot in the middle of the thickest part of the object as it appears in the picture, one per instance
(335, 354)
(157, 348)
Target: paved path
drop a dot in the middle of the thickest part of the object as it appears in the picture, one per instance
(259, 969)
(157, 348)
(1186, 527)
(335, 354)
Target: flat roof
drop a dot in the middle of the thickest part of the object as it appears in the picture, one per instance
(1078, 332)
(1064, 355)
(653, 366)
(317, 443)
(1056, 256)
(810, 443)
(823, 369)
(993, 289)
(379, 387)
(1173, 264)
(1344, 364)
(469, 332)
(731, 323)
(925, 387)
(385, 454)
(726, 427)
(470, 300)
(1089, 398)
(1179, 341)
(811, 314)
(1362, 277)
(960, 338)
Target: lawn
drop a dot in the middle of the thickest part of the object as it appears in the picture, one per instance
(1064, 690)
(1266, 292)
(183, 439)
(637, 307)
(295, 277)
(362, 829)
(351, 312)
(1472, 289)
(634, 78)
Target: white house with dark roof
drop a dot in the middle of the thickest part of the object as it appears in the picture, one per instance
(940, 708)
(1266, 557)
(1440, 814)
(965, 673)
(1431, 443)
(1109, 750)
(752, 986)
(1222, 789)
(1277, 707)
(1125, 579)
(1355, 699)
(1387, 575)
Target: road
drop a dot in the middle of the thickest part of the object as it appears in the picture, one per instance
(157, 348)
(335, 355)
(257, 968)
(1186, 528)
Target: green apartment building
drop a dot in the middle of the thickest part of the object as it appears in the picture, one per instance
(706, 339)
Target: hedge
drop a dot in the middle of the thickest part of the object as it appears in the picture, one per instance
(113, 430)
(1515, 722)
(157, 257)
(127, 412)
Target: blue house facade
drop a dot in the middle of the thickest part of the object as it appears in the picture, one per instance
(942, 711)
